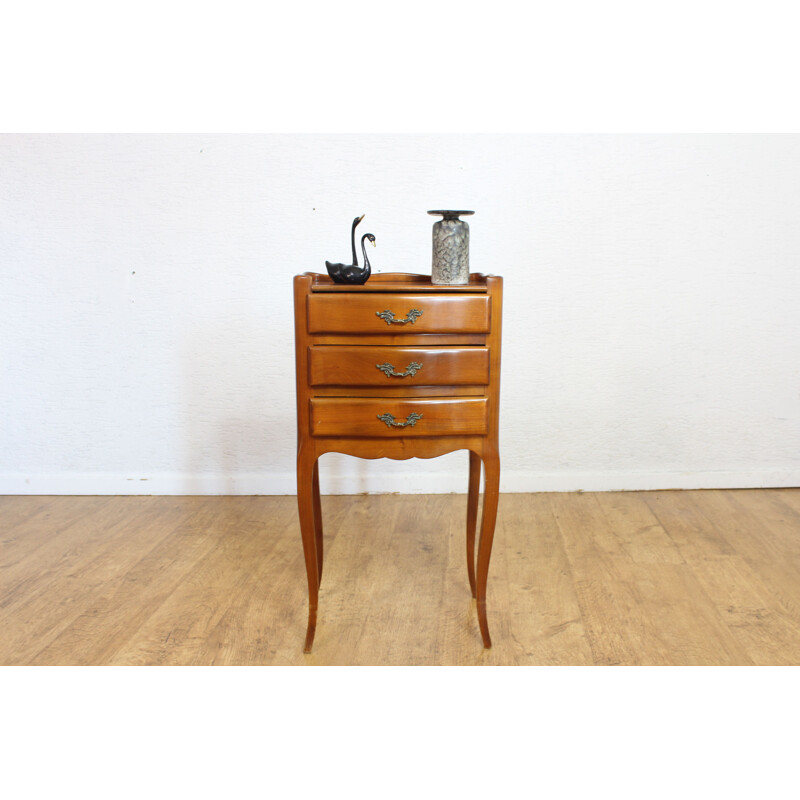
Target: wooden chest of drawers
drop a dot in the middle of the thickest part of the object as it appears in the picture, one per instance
(398, 368)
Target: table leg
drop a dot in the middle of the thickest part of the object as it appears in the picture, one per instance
(491, 489)
(306, 467)
(472, 514)
(317, 516)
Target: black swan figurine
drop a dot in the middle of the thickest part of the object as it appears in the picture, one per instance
(352, 273)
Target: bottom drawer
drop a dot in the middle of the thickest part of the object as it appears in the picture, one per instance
(347, 416)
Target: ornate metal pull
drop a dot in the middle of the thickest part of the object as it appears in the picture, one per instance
(411, 420)
(388, 370)
(388, 317)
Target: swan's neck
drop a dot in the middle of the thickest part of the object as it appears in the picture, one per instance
(367, 267)
(353, 242)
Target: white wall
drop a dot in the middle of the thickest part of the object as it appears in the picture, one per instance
(652, 318)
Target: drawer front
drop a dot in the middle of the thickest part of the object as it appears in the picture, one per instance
(378, 313)
(347, 416)
(396, 367)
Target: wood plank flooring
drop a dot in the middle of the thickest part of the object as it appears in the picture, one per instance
(653, 578)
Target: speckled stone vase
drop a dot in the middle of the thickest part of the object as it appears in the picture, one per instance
(450, 249)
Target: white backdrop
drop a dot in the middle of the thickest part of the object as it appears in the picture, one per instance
(651, 328)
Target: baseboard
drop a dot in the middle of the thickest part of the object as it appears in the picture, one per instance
(349, 481)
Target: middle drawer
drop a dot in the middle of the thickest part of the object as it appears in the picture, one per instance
(365, 365)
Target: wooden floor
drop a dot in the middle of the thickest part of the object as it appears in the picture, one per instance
(681, 577)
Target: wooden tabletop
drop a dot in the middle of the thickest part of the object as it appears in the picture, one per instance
(396, 282)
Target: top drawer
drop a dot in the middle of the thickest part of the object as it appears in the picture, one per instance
(398, 313)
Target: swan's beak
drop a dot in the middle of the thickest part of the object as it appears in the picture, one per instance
(361, 217)
(374, 245)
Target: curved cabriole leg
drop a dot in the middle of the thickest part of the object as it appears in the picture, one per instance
(306, 465)
(491, 489)
(317, 517)
(472, 514)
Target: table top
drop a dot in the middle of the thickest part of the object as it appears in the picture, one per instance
(397, 282)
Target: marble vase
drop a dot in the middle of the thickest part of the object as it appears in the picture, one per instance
(450, 249)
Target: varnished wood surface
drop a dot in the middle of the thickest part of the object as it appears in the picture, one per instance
(702, 577)
(441, 313)
(396, 282)
(358, 366)
(330, 421)
(408, 338)
(358, 416)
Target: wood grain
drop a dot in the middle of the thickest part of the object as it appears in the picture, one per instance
(440, 314)
(662, 609)
(395, 282)
(357, 366)
(667, 578)
(353, 416)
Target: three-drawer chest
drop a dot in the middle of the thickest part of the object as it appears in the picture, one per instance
(398, 368)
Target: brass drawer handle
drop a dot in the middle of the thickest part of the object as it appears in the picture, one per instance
(388, 370)
(390, 423)
(388, 316)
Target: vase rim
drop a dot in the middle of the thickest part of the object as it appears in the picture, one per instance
(451, 214)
